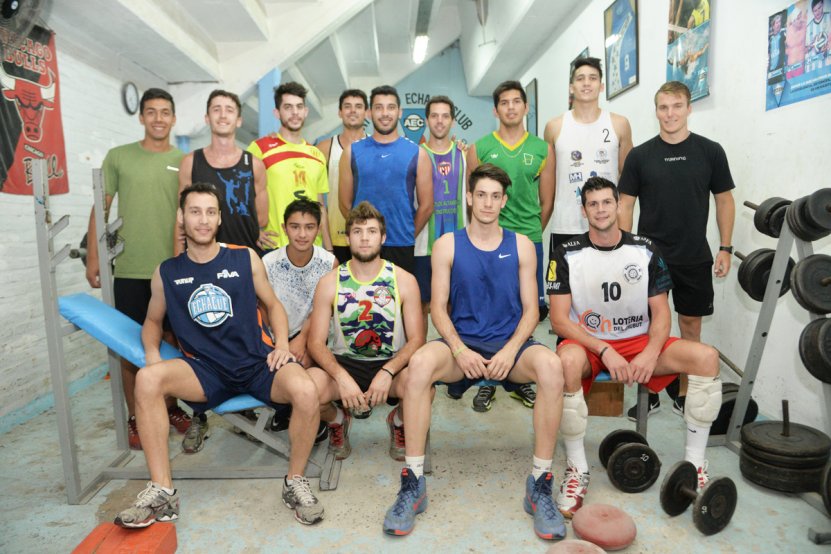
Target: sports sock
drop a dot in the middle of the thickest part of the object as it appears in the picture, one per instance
(338, 416)
(170, 492)
(396, 420)
(416, 464)
(576, 454)
(540, 467)
(696, 444)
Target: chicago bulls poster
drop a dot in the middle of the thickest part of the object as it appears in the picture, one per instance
(30, 113)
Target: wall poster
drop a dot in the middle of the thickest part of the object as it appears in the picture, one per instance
(620, 25)
(688, 45)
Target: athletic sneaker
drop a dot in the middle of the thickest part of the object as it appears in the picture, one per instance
(195, 437)
(322, 432)
(178, 419)
(678, 405)
(703, 476)
(132, 434)
(654, 408)
(572, 491)
(548, 521)
(153, 505)
(251, 416)
(455, 391)
(298, 497)
(339, 436)
(396, 437)
(483, 401)
(361, 413)
(411, 501)
(525, 394)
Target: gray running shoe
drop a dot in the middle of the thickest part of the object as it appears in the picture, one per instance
(153, 505)
(483, 401)
(339, 437)
(196, 434)
(298, 496)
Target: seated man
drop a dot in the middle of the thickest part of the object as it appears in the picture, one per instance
(608, 292)
(377, 327)
(487, 275)
(210, 295)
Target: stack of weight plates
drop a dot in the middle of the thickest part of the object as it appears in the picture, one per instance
(784, 456)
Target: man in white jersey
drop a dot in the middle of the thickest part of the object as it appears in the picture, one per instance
(352, 112)
(610, 308)
(816, 36)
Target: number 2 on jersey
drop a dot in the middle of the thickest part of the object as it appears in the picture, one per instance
(611, 291)
(367, 307)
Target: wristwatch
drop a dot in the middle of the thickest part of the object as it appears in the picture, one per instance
(728, 249)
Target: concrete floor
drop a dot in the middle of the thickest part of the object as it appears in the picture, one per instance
(480, 464)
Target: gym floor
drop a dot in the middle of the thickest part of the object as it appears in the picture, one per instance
(480, 463)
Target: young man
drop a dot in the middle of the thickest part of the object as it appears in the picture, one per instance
(377, 327)
(143, 175)
(352, 112)
(608, 294)
(817, 44)
(527, 160)
(386, 170)
(210, 294)
(294, 168)
(672, 175)
(486, 274)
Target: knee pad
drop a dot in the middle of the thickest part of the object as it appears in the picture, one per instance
(575, 416)
(703, 400)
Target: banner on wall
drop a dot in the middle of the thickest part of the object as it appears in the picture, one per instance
(30, 113)
(799, 53)
(688, 45)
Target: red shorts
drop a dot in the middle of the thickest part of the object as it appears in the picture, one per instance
(628, 348)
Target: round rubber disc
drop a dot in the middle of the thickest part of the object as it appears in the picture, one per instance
(608, 527)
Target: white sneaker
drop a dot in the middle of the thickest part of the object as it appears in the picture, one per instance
(703, 476)
(573, 489)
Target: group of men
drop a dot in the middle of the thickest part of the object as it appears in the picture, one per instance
(408, 230)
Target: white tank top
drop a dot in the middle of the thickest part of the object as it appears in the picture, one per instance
(583, 150)
(337, 223)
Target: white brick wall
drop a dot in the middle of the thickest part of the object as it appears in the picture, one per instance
(93, 121)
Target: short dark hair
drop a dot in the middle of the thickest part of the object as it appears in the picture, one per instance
(288, 88)
(489, 171)
(597, 183)
(358, 93)
(384, 90)
(591, 62)
(219, 92)
(364, 212)
(440, 100)
(200, 188)
(303, 206)
(815, 2)
(505, 86)
(154, 94)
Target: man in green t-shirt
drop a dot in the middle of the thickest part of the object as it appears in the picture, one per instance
(144, 175)
(525, 158)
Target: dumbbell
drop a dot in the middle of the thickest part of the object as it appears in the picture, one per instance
(713, 507)
(632, 466)
(770, 215)
(754, 272)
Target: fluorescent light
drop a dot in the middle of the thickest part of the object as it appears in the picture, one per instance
(420, 48)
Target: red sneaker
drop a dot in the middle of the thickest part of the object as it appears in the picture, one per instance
(132, 434)
(339, 437)
(178, 419)
(396, 437)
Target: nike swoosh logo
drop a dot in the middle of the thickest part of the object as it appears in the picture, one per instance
(501, 256)
(385, 155)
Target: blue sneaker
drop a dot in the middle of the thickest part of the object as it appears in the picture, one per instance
(548, 521)
(411, 501)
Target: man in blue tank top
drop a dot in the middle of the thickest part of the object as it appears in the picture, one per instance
(210, 295)
(486, 274)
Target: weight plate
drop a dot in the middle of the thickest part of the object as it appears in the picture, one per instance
(779, 478)
(824, 341)
(729, 387)
(615, 439)
(715, 505)
(809, 351)
(796, 221)
(818, 209)
(633, 467)
(777, 219)
(748, 268)
(673, 499)
(757, 267)
(791, 462)
(728, 403)
(813, 295)
(825, 488)
(764, 215)
(809, 232)
(803, 440)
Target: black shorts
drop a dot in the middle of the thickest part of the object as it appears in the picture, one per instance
(423, 274)
(692, 290)
(132, 296)
(363, 371)
(402, 256)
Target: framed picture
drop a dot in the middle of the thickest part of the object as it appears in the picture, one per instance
(620, 25)
(531, 118)
(583, 54)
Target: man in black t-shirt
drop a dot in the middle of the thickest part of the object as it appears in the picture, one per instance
(673, 175)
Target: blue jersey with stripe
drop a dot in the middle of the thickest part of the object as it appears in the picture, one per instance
(212, 308)
(384, 175)
(484, 289)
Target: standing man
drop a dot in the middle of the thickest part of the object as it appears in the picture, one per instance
(817, 42)
(673, 175)
(486, 274)
(144, 176)
(528, 161)
(387, 171)
(210, 294)
(609, 307)
(294, 168)
(352, 112)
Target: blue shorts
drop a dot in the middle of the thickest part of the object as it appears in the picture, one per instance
(488, 350)
(219, 387)
(423, 272)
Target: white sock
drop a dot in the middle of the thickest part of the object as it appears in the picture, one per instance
(540, 467)
(396, 420)
(170, 492)
(696, 444)
(576, 454)
(289, 482)
(416, 464)
(338, 416)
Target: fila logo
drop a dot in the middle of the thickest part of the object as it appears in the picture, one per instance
(224, 274)
(185, 281)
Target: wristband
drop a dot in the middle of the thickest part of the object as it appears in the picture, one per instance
(459, 350)
(728, 249)
(388, 371)
(600, 355)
